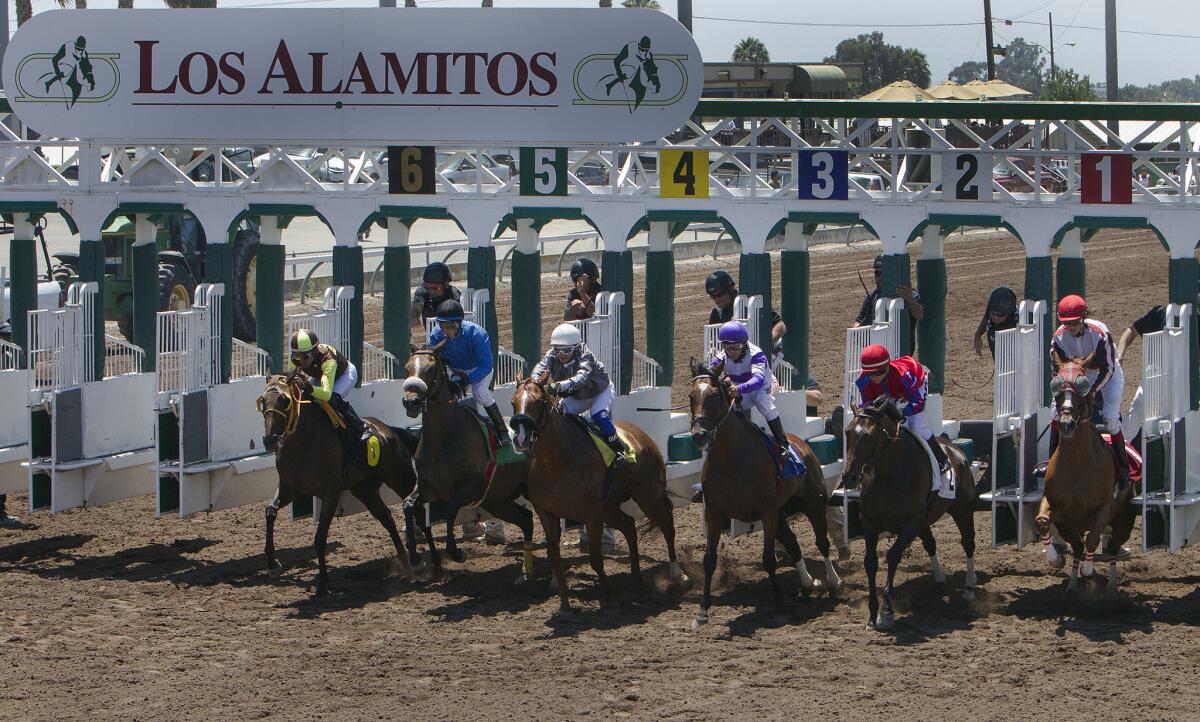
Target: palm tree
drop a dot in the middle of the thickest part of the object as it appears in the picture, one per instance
(24, 11)
(124, 4)
(650, 4)
(605, 3)
(751, 50)
(410, 3)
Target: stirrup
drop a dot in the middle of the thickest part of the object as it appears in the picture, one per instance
(1039, 469)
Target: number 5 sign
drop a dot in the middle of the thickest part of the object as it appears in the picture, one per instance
(823, 175)
(1106, 178)
(543, 171)
(683, 173)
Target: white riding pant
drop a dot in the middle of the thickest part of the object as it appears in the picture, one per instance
(761, 400)
(920, 425)
(602, 401)
(1135, 415)
(479, 389)
(347, 381)
(1111, 395)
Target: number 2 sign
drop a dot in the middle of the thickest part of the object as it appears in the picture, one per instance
(966, 176)
(823, 175)
(1106, 178)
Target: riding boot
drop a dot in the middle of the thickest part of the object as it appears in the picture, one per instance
(785, 447)
(1118, 446)
(353, 421)
(5, 519)
(1039, 469)
(618, 446)
(938, 453)
(497, 418)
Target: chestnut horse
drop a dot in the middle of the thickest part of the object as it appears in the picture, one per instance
(308, 457)
(738, 478)
(452, 459)
(567, 481)
(893, 471)
(1078, 497)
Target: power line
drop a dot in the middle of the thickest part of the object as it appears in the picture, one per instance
(1148, 33)
(838, 25)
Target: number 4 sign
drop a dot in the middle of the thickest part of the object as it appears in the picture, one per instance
(683, 173)
(1106, 178)
(823, 175)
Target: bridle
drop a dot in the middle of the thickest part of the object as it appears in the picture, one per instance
(289, 389)
(441, 378)
(534, 424)
(722, 395)
(1067, 385)
(882, 440)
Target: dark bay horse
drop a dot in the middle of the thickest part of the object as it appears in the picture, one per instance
(452, 459)
(567, 480)
(308, 457)
(1078, 497)
(893, 471)
(738, 478)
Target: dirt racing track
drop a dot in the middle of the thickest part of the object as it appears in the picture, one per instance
(110, 612)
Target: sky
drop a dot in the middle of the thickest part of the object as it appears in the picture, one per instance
(947, 31)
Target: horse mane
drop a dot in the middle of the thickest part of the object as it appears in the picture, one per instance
(884, 407)
(703, 370)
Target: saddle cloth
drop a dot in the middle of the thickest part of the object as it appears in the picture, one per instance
(374, 448)
(497, 455)
(935, 471)
(1133, 458)
(606, 452)
(786, 465)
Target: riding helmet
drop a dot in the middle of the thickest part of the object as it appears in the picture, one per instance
(1072, 308)
(582, 266)
(303, 341)
(450, 310)
(437, 272)
(717, 283)
(874, 357)
(878, 263)
(1003, 300)
(565, 334)
(733, 332)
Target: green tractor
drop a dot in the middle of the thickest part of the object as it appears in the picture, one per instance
(181, 252)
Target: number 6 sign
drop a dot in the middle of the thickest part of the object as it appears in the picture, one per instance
(1106, 178)
(823, 175)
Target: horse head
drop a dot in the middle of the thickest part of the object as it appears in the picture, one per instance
(709, 401)
(427, 378)
(1073, 397)
(280, 409)
(532, 404)
(873, 429)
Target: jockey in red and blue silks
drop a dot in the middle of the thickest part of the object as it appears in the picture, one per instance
(904, 381)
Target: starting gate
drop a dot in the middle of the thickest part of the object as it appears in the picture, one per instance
(14, 428)
(1019, 418)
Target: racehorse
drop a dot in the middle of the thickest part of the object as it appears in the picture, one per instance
(1078, 495)
(308, 457)
(892, 469)
(739, 482)
(452, 461)
(567, 479)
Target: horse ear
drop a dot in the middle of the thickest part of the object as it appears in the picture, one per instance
(1086, 360)
(412, 348)
(520, 375)
(1056, 360)
(719, 368)
(541, 380)
(695, 369)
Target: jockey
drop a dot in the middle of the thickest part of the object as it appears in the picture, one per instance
(581, 299)
(332, 375)
(902, 380)
(1000, 315)
(1080, 337)
(581, 381)
(748, 368)
(468, 352)
(722, 290)
(434, 290)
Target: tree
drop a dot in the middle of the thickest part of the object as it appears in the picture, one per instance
(968, 71)
(1023, 66)
(649, 4)
(881, 63)
(751, 50)
(605, 3)
(1068, 85)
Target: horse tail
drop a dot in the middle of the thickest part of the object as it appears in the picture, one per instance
(408, 438)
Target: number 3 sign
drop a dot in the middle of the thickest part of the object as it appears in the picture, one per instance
(823, 175)
(1106, 178)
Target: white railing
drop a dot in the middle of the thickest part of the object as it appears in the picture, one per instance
(1165, 368)
(58, 352)
(602, 332)
(378, 365)
(645, 371)
(331, 323)
(10, 356)
(188, 343)
(1020, 356)
(248, 360)
(785, 375)
(882, 331)
(508, 366)
(121, 357)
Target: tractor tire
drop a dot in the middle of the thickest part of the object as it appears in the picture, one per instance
(125, 322)
(64, 274)
(176, 287)
(245, 255)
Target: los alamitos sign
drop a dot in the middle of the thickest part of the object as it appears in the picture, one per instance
(354, 75)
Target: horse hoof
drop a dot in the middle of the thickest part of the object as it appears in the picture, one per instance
(969, 594)
(274, 568)
(885, 621)
(1087, 569)
(458, 555)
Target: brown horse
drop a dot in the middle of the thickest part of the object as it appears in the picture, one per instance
(1078, 497)
(452, 459)
(893, 471)
(567, 481)
(308, 457)
(738, 478)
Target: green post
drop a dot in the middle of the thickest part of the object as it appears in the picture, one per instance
(91, 269)
(268, 278)
(1039, 285)
(1184, 287)
(931, 329)
(22, 293)
(481, 273)
(396, 338)
(1070, 277)
(616, 271)
(660, 312)
(793, 291)
(527, 307)
(897, 272)
(754, 279)
(218, 268)
(145, 301)
(348, 271)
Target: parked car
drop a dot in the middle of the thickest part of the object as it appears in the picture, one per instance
(592, 174)
(464, 171)
(1053, 179)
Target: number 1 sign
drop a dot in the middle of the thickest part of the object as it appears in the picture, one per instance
(1106, 178)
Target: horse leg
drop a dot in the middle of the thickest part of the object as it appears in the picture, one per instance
(595, 532)
(870, 567)
(770, 524)
(619, 520)
(451, 509)
(713, 525)
(328, 509)
(785, 536)
(939, 575)
(656, 505)
(368, 493)
(553, 531)
(1044, 526)
(514, 513)
(894, 556)
(964, 519)
(1091, 541)
(1122, 528)
(1072, 538)
(284, 495)
(410, 506)
(815, 509)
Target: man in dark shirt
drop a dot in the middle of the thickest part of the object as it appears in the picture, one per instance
(721, 289)
(912, 301)
(999, 315)
(1154, 320)
(434, 289)
(581, 299)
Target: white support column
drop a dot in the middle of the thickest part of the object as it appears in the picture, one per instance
(269, 232)
(1072, 244)
(527, 236)
(794, 237)
(397, 233)
(660, 236)
(144, 230)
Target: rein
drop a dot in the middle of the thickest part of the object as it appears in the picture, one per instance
(721, 391)
(441, 376)
(290, 390)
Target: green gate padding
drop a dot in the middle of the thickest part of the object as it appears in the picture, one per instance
(897, 272)
(754, 279)
(660, 312)
(91, 268)
(145, 301)
(396, 337)
(22, 296)
(1070, 277)
(616, 271)
(793, 303)
(1184, 287)
(527, 307)
(481, 273)
(931, 329)
(348, 271)
(218, 268)
(268, 278)
(1039, 285)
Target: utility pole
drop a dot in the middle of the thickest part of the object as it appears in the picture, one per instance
(1052, 71)
(685, 14)
(1110, 56)
(3, 37)
(987, 32)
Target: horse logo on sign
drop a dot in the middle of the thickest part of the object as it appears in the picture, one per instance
(635, 68)
(71, 77)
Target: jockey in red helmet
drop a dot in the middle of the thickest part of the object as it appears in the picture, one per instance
(904, 381)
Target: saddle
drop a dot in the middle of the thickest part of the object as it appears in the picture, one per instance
(786, 465)
(342, 425)
(497, 455)
(935, 470)
(597, 438)
(1132, 457)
